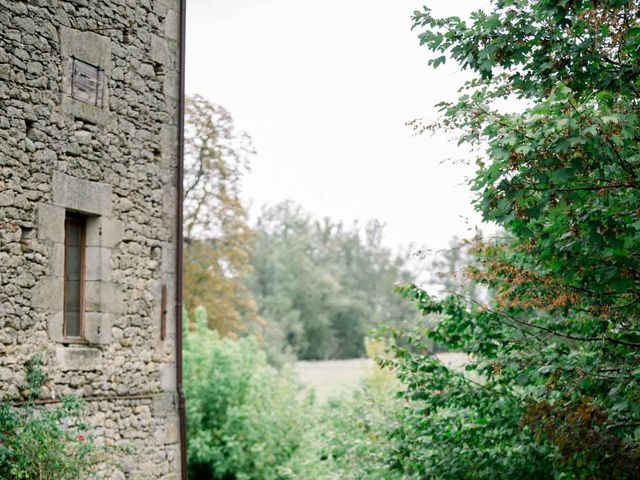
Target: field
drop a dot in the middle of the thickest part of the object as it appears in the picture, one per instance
(333, 378)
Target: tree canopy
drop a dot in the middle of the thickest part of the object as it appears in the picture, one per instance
(218, 240)
(321, 286)
(557, 350)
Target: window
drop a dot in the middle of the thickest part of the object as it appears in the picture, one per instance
(75, 227)
(86, 83)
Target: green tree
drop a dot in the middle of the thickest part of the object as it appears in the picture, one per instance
(322, 287)
(558, 349)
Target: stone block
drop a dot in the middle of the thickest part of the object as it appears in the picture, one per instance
(103, 296)
(172, 476)
(171, 318)
(168, 257)
(172, 430)
(169, 208)
(158, 52)
(167, 376)
(78, 358)
(82, 195)
(51, 223)
(93, 237)
(56, 260)
(112, 232)
(89, 47)
(168, 141)
(86, 111)
(172, 25)
(48, 294)
(55, 325)
(163, 405)
(7, 199)
(97, 264)
(104, 232)
(97, 327)
(171, 84)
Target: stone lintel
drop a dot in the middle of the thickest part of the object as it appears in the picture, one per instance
(72, 193)
(89, 47)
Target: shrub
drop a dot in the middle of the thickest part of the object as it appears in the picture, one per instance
(349, 437)
(44, 442)
(245, 419)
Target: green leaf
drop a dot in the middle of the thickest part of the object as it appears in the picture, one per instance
(564, 175)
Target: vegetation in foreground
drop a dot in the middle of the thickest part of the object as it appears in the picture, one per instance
(45, 442)
(558, 346)
(248, 420)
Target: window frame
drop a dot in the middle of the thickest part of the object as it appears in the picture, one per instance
(82, 91)
(80, 220)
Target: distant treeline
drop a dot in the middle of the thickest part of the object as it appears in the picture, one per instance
(322, 287)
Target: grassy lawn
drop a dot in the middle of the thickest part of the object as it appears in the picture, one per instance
(333, 378)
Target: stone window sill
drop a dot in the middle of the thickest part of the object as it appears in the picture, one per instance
(75, 341)
(79, 357)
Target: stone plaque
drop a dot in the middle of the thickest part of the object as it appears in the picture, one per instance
(87, 83)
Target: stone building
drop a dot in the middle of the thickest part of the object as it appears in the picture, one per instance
(90, 115)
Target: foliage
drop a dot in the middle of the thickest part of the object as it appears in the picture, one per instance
(322, 287)
(48, 442)
(463, 424)
(216, 158)
(556, 350)
(218, 241)
(350, 437)
(245, 419)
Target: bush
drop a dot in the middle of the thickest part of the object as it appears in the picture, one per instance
(350, 437)
(245, 419)
(44, 443)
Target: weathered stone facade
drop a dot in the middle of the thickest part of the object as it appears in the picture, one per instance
(115, 161)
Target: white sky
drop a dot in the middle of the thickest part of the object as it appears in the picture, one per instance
(325, 88)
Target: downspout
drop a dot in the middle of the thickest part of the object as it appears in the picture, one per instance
(180, 244)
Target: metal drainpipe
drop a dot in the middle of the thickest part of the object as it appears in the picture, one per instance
(180, 244)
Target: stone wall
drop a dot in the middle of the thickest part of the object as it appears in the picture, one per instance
(115, 161)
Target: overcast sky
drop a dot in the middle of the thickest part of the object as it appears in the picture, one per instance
(325, 89)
